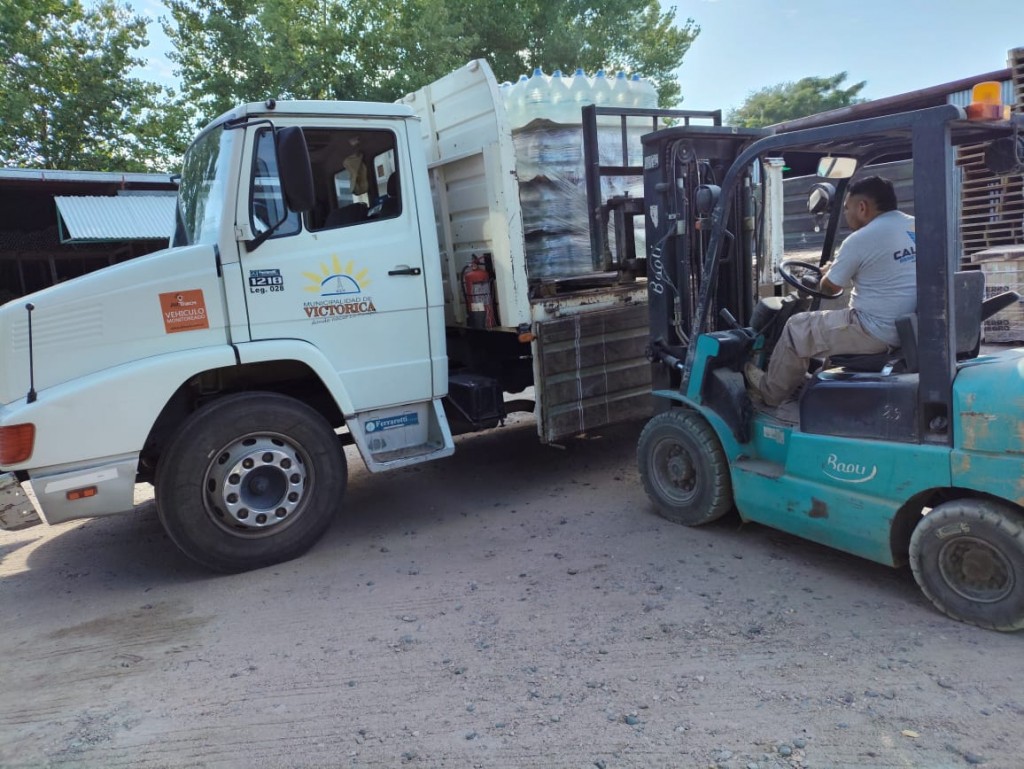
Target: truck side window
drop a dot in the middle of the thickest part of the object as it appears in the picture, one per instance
(355, 174)
(267, 206)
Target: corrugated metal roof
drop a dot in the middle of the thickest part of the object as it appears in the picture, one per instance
(117, 177)
(121, 217)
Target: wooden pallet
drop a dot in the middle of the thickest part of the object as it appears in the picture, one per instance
(991, 207)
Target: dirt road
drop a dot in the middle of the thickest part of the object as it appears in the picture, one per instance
(514, 606)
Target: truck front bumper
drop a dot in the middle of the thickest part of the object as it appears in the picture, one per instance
(16, 509)
(85, 489)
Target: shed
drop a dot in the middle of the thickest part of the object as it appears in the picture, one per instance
(57, 225)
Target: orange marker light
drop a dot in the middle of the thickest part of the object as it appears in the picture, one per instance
(16, 443)
(986, 101)
(76, 494)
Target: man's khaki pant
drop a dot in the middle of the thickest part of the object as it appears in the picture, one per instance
(813, 335)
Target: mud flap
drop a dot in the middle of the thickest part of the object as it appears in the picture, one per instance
(16, 509)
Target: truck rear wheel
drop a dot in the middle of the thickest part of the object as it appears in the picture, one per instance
(684, 469)
(968, 558)
(250, 480)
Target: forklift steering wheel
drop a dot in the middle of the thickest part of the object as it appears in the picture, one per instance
(786, 271)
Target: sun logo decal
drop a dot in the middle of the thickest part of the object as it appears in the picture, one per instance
(335, 280)
(341, 292)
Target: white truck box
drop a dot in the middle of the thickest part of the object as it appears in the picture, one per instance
(590, 367)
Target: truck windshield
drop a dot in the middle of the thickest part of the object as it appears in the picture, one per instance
(202, 188)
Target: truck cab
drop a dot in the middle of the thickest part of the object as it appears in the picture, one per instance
(332, 305)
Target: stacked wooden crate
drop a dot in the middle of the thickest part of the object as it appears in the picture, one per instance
(992, 222)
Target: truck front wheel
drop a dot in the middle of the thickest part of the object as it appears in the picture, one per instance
(250, 480)
(968, 558)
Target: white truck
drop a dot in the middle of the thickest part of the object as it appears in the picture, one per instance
(341, 273)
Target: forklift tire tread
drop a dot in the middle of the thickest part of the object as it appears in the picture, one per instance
(967, 556)
(250, 480)
(684, 469)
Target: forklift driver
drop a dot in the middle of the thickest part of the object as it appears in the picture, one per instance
(879, 261)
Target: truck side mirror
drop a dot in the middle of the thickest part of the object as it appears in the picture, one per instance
(295, 169)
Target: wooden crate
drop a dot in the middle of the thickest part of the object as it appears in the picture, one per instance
(1004, 271)
(991, 206)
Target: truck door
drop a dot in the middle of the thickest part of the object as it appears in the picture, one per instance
(348, 275)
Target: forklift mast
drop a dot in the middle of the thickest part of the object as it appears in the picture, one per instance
(684, 168)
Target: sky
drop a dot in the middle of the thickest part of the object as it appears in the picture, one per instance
(896, 46)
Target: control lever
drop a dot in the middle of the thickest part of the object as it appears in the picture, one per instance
(727, 316)
(657, 351)
(731, 321)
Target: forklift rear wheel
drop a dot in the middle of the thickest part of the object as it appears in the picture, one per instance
(968, 557)
(250, 480)
(684, 469)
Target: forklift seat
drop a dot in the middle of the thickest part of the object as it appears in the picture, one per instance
(861, 405)
(970, 309)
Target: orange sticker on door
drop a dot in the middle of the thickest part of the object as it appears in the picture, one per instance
(184, 311)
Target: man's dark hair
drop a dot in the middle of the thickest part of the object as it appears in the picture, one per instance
(880, 190)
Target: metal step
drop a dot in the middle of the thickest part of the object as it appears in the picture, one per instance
(402, 435)
(408, 452)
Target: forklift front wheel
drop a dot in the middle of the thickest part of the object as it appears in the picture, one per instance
(684, 469)
(968, 557)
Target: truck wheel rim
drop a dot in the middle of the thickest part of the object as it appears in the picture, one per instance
(674, 471)
(976, 570)
(256, 484)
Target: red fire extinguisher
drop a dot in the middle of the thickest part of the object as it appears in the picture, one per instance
(476, 289)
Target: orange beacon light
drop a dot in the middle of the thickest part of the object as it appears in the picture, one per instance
(986, 101)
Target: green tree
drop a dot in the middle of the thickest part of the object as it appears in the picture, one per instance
(787, 101)
(231, 51)
(518, 36)
(67, 96)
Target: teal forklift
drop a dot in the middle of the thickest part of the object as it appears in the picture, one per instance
(915, 455)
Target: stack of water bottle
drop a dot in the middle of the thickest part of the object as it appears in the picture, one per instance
(546, 118)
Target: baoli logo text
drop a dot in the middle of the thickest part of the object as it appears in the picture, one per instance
(341, 289)
(848, 472)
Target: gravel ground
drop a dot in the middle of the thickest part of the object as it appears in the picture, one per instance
(513, 606)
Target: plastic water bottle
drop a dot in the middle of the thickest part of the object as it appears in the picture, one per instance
(648, 94)
(538, 96)
(602, 89)
(580, 95)
(635, 94)
(561, 102)
(516, 102)
(621, 94)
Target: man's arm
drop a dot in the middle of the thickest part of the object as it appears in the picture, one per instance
(827, 286)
